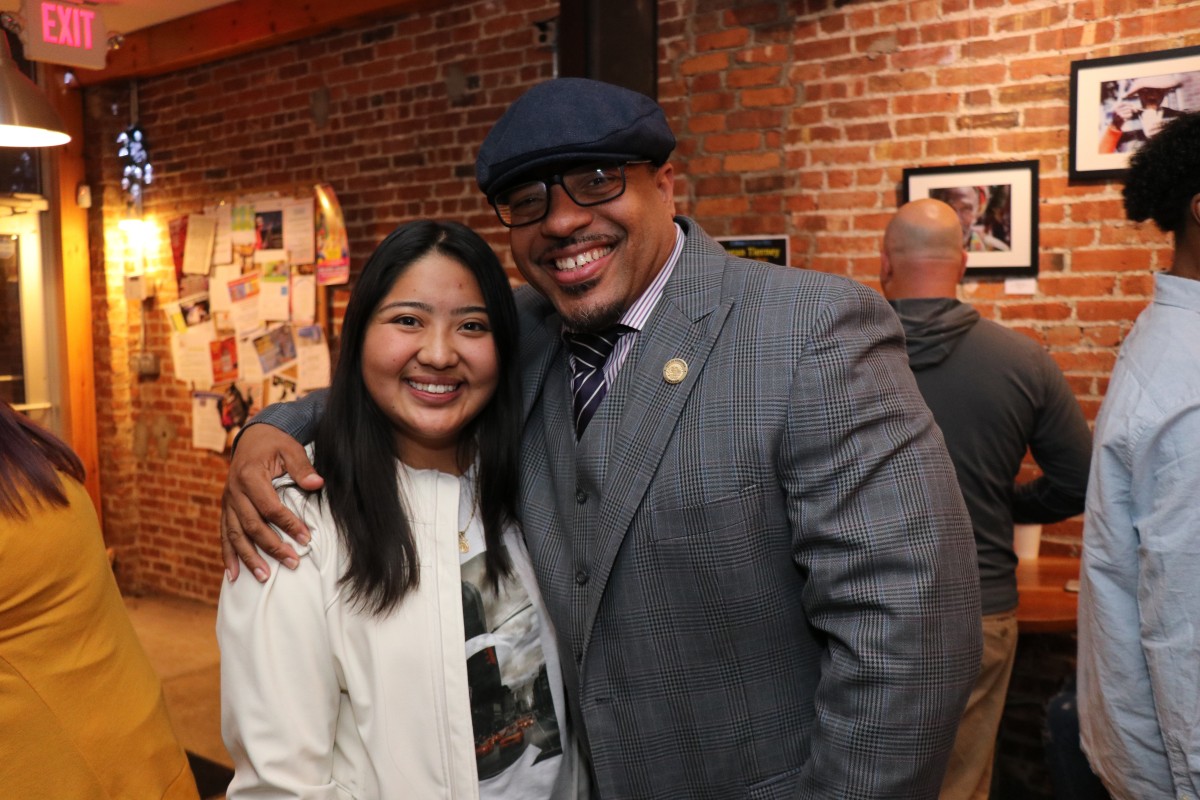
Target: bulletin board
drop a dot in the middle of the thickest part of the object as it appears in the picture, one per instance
(251, 327)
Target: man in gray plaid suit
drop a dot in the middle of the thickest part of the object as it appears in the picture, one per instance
(748, 532)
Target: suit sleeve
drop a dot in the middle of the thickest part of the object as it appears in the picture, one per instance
(279, 687)
(297, 419)
(1062, 447)
(882, 537)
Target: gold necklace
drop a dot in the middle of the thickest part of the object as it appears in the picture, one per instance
(463, 545)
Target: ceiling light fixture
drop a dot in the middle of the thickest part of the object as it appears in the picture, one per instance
(26, 117)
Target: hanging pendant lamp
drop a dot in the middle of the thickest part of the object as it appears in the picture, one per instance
(26, 117)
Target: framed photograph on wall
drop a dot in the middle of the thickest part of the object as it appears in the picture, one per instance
(1118, 103)
(997, 205)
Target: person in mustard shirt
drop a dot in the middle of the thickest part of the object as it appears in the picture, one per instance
(82, 709)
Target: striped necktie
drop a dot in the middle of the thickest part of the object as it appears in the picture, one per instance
(591, 350)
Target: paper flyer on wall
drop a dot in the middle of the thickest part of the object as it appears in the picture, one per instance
(273, 300)
(268, 225)
(192, 357)
(243, 295)
(280, 388)
(304, 294)
(223, 239)
(298, 230)
(192, 284)
(207, 432)
(275, 348)
(198, 245)
(248, 365)
(241, 235)
(312, 358)
(224, 354)
(188, 312)
(241, 224)
(218, 287)
(239, 402)
(333, 246)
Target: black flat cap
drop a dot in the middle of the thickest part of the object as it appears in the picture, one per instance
(571, 119)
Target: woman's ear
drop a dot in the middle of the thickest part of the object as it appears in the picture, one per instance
(1194, 208)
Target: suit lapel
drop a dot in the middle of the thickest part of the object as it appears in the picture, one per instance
(552, 451)
(684, 325)
(559, 433)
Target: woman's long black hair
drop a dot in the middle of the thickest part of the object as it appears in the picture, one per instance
(356, 445)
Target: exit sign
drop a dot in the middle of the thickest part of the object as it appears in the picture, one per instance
(59, 32)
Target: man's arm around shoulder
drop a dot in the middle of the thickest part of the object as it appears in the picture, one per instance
(249, 504)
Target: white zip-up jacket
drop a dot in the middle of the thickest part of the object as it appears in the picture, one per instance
(321, 700)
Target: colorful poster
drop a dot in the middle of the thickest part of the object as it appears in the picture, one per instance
(242, 236)
(177, 230)
(275, 348)
(237, 404)
(268, 227)
(188, 312)
(333, 247)
(224, 354)
(243, 293)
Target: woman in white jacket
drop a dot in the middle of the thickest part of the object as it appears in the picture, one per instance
(347, 677)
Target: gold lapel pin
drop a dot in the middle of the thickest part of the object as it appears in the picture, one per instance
(675, 370)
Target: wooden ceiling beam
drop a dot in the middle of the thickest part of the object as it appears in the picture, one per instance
(233, 29)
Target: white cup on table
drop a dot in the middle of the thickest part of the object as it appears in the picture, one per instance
(1027, 540)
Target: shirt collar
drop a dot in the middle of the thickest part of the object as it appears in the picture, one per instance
(1172, 290)
(636, 315)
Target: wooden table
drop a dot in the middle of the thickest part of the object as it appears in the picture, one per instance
(1043, 606)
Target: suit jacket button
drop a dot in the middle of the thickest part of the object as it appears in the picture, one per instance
(581, 577)
(581, 496)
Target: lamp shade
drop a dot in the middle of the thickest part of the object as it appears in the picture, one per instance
(26, 117)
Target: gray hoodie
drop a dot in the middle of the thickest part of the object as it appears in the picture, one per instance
(994, 392)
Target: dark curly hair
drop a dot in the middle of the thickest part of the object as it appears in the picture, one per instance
(1164, 175)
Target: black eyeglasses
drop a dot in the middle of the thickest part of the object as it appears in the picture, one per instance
(588, 185)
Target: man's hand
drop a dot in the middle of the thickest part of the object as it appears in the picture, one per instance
(1123, 112)
(250, 502)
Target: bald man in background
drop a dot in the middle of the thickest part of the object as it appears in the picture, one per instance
(994, 393)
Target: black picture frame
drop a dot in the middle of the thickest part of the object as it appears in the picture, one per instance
(1002, 235)
(1110, 117)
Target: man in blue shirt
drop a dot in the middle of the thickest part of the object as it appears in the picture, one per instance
(1139, 644)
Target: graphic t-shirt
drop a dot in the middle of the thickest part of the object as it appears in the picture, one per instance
(518, 750)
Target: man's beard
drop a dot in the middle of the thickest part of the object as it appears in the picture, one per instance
(597, 318)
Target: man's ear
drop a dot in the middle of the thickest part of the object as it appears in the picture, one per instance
(664, 181)
(885, 267)
(962, 271)
(1194, 208)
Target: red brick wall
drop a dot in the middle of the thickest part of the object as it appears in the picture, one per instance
(396, 146)
(793, 117)
(800, 117)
